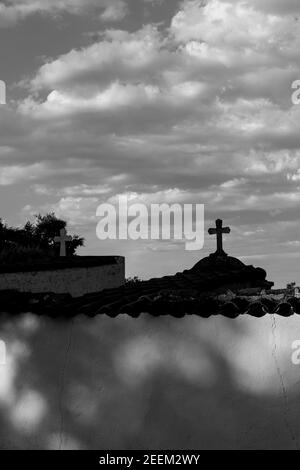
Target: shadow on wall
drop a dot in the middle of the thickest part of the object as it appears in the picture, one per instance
(149, 383)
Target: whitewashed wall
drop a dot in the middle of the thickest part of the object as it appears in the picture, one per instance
(150, 383)
(77, 281)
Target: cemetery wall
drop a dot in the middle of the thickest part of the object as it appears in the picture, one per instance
(150, 383)
(77, 276)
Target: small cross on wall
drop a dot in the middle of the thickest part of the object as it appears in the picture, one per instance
(63, 239)
(219, 231)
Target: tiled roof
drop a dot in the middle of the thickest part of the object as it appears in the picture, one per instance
(193, 291)
(176, 304)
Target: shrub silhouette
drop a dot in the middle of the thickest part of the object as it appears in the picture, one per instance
(34, 241)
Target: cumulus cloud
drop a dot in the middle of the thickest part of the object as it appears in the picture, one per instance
(203, 106)
(115, 11)
(12, 11)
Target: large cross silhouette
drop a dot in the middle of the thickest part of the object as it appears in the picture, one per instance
(62, 239)
(219, 230)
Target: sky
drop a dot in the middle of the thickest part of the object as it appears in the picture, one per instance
(162, 101)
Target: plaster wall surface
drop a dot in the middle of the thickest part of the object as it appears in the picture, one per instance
(77, 281)
(150, 383)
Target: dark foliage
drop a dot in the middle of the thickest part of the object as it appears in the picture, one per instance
(34, 241)
(132, 281)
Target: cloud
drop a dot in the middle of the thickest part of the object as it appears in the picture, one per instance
(203, 106)
(276, 6)
(115, 12)
(119, 55)
(14, 173)
(14, 10)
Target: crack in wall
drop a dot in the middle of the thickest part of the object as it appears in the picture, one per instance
(61, 388)
(286, 404)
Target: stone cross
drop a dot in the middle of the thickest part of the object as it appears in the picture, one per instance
(219, 230)
(62, 239)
